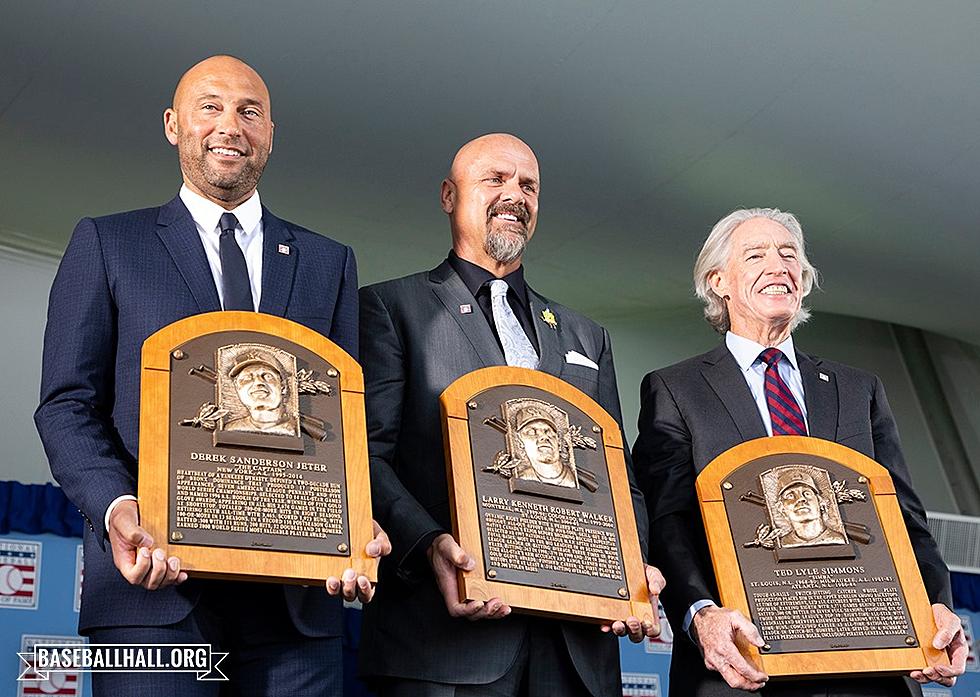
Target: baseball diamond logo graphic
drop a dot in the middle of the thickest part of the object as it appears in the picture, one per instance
(66, 684)
(20, 567)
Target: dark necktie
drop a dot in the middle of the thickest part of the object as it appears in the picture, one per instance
(234, 272)
(785, 412)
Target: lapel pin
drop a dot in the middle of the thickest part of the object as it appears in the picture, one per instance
(824, 377)
(465, 309)
(549, 318)
(284, 249)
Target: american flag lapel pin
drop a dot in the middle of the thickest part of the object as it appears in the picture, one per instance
(465, 309)
(284, 249)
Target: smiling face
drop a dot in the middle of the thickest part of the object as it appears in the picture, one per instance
(221, 123)
(491, 197)
(761, 283)
(260, 388)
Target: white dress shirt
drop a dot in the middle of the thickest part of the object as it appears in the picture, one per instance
(206, 215)
(746, 353)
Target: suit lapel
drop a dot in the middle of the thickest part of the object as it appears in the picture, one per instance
(722, 373)
(550, 358)
(822, 406)
(278, 268)
(453, 293)
(177, 231)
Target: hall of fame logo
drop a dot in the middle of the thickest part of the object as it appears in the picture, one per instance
(20, 569)
(641, 685)
(65, 684)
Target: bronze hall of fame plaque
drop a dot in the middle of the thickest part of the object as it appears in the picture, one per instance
(540, 497)
(807, 539)
(253, 449)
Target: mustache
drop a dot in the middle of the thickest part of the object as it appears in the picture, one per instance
(519, 210)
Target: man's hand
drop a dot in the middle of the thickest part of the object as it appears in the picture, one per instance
(949, 636)
(716, 631)
(446, 557)
(351, 585)
(133, 553)
(632, 627)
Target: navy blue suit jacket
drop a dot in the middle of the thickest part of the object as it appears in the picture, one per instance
(122, 278)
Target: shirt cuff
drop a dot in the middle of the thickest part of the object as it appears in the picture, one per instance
(112, 506)
(692, 611)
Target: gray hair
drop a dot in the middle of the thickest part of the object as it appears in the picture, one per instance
(717, 249)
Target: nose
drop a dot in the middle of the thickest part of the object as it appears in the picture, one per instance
(228, 123)
(512, 192)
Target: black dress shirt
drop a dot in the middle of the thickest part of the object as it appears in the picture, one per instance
(477, 279)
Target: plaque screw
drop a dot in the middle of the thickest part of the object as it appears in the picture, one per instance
(491, 573)
(179, 355)
(910, 640)
(622, 592)
(331, 373)
(176, 536)
(726, 485)
(863, 479)
(471, 405)
(342, 548)
(766, 647)
(596, 429)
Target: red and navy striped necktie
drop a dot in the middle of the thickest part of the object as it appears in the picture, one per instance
(785, 412)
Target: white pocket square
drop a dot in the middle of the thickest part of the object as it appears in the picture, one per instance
(577, 358)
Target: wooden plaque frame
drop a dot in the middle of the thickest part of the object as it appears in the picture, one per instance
(154, 457)
(731, 587)
(475, 584)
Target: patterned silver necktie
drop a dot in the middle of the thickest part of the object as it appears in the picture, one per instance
(518, 349)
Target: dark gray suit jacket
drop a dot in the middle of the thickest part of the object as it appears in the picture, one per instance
(695, 410)
(414, 343)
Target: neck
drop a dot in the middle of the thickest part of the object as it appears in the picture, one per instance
(765, 335)
(228, 205)
(478, 256)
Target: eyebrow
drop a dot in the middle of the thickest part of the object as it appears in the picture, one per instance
(248, 101)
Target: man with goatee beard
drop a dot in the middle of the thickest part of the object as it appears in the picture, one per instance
(123, 277)
(418, 335)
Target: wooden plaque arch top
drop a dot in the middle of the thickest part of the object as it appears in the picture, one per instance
(807, 540)
(253, 450)
(540, 498)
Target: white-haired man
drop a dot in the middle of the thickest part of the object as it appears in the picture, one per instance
(752, 274)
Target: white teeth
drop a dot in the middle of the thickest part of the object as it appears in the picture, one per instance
(225, 151)
(507, 216)
(775, 290)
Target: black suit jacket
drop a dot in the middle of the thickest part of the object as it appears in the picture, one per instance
(414, 343)
(695, 410)
(122, 278)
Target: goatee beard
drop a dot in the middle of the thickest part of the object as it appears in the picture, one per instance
(504, 247)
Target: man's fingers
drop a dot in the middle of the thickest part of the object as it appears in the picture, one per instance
(736, 679)
(652, 629)
(743, 625)
(349, 580)
(158, 570)
(135, 571)
(333, 585)
(380, 546)
(958, 651)
(655, 581)
(365, 591)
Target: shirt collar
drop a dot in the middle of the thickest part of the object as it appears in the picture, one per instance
(474, 277)
(747, 351)
(207, 213)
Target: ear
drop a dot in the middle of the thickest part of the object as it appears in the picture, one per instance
(170, 125)
(718, 284)
(448, 196)
(272, 136)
